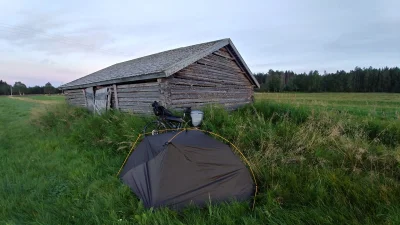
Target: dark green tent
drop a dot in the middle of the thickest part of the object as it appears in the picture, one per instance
(179, 168)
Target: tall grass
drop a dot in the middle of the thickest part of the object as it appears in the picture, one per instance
(313, 167)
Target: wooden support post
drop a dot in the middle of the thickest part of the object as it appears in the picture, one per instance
(116, 96)
(84, 95)
(108, 107)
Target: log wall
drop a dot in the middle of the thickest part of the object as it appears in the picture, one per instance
(137, 98)
(75, 97)
(215, 79)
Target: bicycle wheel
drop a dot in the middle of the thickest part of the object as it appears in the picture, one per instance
(153, 128)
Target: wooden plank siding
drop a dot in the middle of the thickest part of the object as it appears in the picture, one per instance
(214, 79)
(75, 97)
(137, 98)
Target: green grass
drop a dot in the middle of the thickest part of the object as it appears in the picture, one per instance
(375, 105)
(45, 97)
(314, 165)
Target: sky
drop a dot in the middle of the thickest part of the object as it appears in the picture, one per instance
(60, 41)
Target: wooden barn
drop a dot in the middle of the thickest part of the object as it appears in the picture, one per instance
(207, 73)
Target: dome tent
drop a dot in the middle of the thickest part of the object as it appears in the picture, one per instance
(189, 167)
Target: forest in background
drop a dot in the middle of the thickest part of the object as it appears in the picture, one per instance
(357, 80)
(20, 88)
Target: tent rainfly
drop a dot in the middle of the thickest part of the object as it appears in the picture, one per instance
(189, 167)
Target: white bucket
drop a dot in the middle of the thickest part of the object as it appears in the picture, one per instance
(197, 117)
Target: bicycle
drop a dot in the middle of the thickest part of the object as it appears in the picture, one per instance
(166, 120)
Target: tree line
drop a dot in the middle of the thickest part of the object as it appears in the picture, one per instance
(20, 88)
(357, 80)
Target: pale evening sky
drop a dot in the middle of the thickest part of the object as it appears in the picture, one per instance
(59, 41)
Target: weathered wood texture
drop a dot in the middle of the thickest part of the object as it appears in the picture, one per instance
(75, 97)
(214, 79)
(137, 98)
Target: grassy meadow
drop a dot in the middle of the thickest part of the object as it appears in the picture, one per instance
(326, 158)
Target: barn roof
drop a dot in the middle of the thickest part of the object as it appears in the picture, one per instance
(157, 65)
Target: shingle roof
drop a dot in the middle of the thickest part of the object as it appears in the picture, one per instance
(157, 65)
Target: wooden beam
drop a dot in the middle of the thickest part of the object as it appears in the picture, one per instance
(118, 80)
(108, 106)
(116, 96)
(84, 95)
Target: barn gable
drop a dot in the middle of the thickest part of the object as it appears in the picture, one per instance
(216, 78)
(212, 72)
(163, 64)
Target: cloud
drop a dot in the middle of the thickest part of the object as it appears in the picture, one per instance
(53, 35)
(66, 40)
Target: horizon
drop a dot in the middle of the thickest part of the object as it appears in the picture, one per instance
(321, 73)
(58, 42)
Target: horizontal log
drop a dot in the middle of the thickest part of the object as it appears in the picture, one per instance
(224, 51)
(222, 61)
(209, 69)
(149, 84)
(137, 99)
(203, 72)
(139, 89)
(203, 98)
(203, 104)
(215, 73)
(187, 89)
(217, 100)
(208, 93)
(73, 91)
(196, 77)
(75, 95)
(216, 86)
(139, 95)
(142, 104)
(210, 77)
(132, 104)
(180, 81)
(226, 56)
(135, 109)
(220, 66)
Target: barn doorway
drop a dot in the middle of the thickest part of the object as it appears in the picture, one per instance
(98, 99)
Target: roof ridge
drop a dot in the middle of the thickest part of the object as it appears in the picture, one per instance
(146, 56)
(156, 65)
(188, 46)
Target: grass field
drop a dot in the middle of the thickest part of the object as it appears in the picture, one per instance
(318, 159)
(376, 105)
